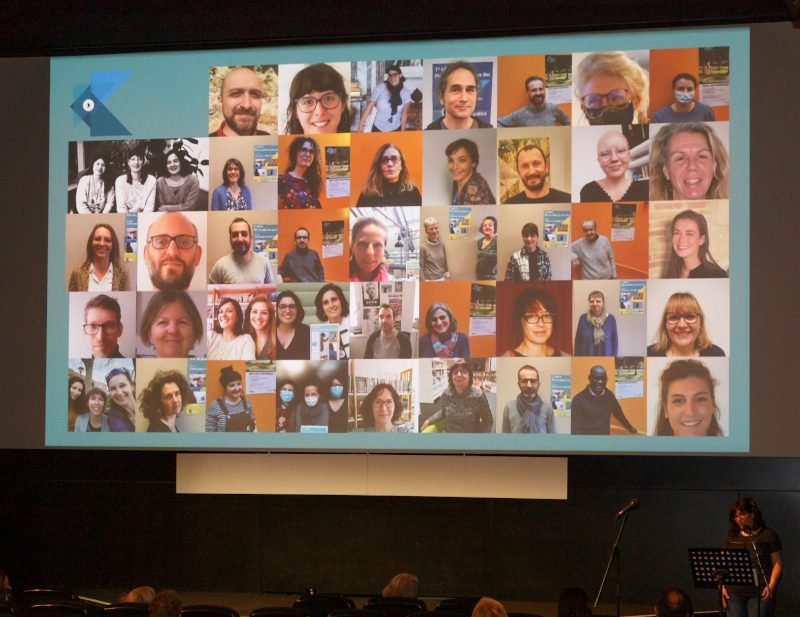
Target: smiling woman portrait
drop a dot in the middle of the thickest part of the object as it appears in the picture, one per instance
(103, 269)
(318, 102)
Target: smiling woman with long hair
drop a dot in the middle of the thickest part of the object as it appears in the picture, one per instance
(682, 331)
(259, 323)
(95, 193)
(687, 405)
(300, 186)
(102, 270)
(177, 188)
(689, 249)
(388, 182)
(232, 194)
(227, 340)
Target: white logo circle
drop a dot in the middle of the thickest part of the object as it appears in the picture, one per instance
(88, 105)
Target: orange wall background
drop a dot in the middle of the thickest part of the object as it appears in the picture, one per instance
(456, 295)
(561, 291)
(335, 139)
(336, 268)
(363, 147)
(512, 71)
(263, 404)
(635, 408)
(664, 65)
(631, 256)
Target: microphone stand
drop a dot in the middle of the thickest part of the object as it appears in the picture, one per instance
(749, 533)
(612, 558)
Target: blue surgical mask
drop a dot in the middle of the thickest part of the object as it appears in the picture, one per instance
(286, 396)
(311, 400)
(337, 391)
(684, 97)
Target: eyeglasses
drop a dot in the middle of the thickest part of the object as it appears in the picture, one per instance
(308, 150)
(109, 327)
(393, 74)
(689, 318)
(287, 307)
(307, 104)
(618, 97)
(438, 318)
(460, 370)
(393, 159)
(183, 242)
(532, 318)
(605, 155)
(533, 382)
(387, 404)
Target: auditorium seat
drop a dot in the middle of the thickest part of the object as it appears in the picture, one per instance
(322, 604)
(6, 610)
(62, 608)
(354, 612)
(278, 611)
(126, 609)
(396, 607)
(523, 615)
(208, 610)
(34, 595)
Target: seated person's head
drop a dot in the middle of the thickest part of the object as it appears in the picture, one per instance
(167, 603)
(403, 585)
(487, 607)
(674, 602)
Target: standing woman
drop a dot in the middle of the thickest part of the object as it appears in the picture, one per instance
(469, 187)
(388, 182)
(748, 530)
(95, 194)
(391, 98)
(103, 269)
(122, 413)
(232, 412)
(368, 240)
(300, 186)
(177, 188)
(486, 268)
(442, 340)
(596, 334)
(337, 402)
(464, 407)
(259, 323)
(293, 336)
(76, 401)
(163, 399)
(333, 307)
(690, 253)
(232, 194)
(94, 420)
(135, 190)
(318, 102)
(227, 341)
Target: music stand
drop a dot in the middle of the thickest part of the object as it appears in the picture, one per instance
(715, 567)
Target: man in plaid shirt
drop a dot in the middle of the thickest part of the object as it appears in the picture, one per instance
(530, 263)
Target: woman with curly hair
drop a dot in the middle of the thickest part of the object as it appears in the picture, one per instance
(259, 323)
(163, 399)
(301, 185)
(687, 405)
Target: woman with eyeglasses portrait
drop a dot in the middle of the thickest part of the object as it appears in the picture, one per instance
(318, 102)
(614, 158)
(293, 336)
(381, 409)
(612, 89)
(534, 320)
(464, 407)
(102, 270)
(232, 194)
(442, 338)
(388, 182)
(690, 253)
(300, 186)
(682, 332)
(390, 99)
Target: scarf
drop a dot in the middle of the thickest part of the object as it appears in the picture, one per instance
(597, 324)
(525, 407)
(395, 100)
(444, 350)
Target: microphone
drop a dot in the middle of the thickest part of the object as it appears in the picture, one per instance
(632, 505)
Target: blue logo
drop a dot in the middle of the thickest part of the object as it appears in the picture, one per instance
(90, 103)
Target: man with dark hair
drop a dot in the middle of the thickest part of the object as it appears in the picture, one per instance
(302, 265)
(172, 252)
(458, 94)
(533, 169)
(387, 342)
(102, 325)
(530, 263)
(167, 603)
(674, 602)
(242, 266)
(538, 112)
(528, 413)
(593, 407)
(240, 97)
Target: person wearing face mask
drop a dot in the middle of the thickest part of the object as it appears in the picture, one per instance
(612, 89)
(685, 108)
(312, 410)
(284, 418)
(596, 334)
(337, 402)
(528, 413)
